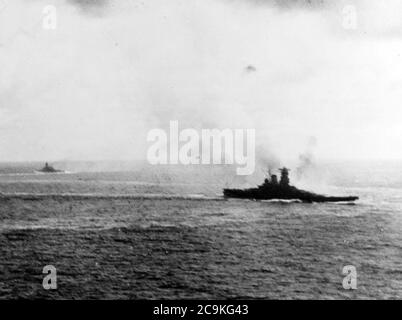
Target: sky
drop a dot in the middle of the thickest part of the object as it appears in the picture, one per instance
(296, 71)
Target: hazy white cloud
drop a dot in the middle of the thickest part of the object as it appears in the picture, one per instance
(109, 72)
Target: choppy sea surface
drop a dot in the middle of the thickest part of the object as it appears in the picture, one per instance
(147, 235)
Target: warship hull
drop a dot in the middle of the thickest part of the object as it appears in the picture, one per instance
(48, 169)
(289, 193)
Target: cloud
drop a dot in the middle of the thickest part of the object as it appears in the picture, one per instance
(287, 4)
(92, 6)
(111, 71)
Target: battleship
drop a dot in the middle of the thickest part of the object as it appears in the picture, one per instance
(49, 169)
(272, 189)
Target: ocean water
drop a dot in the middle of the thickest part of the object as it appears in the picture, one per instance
(148, 234)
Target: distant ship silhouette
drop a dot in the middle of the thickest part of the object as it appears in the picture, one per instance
(49, 169)
(272, 189)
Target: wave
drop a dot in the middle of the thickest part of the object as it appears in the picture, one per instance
(34, 173)
(145, 196)
(53, 173)
(282, 201)
(15, 174)
(83, 196)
